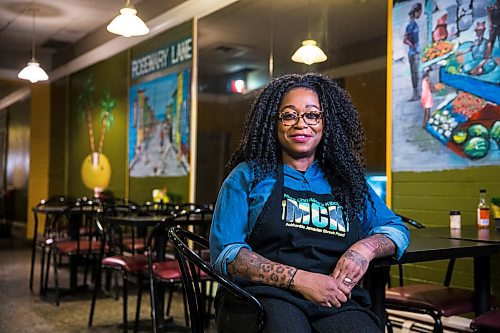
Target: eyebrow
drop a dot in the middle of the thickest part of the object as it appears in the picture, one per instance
(293, 107)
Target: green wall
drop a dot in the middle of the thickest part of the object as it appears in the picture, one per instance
(428, 197)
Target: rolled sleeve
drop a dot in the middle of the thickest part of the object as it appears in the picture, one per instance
(398, 237)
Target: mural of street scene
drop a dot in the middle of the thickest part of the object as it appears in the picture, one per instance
(445, 84)
(159, 127)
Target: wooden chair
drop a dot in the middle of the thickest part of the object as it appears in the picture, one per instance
(193, 268)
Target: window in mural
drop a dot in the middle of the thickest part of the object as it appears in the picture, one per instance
(159, 126)
(445, 84)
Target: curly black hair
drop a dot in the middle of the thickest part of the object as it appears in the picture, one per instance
(339, 152)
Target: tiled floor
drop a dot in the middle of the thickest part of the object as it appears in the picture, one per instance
(21, 311)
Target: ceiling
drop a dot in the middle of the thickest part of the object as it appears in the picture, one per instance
(239, 37)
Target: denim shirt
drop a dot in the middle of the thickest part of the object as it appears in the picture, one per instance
(239, 205)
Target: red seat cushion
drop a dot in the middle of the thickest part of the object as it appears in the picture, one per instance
(487, 321)
(447, 301)
(167, 270)
(133, 264)
(71, 246)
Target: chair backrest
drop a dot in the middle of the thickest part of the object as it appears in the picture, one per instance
(191, 263)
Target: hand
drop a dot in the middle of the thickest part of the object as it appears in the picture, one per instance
(350, 268)
(320, 288)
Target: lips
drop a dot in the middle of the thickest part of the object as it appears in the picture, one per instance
(300, 137)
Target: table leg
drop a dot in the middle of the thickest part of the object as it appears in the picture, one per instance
(482, 301)
(33, 248)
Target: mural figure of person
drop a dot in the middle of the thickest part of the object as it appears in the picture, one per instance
(426, 97)
(479, 61)
(411, 39)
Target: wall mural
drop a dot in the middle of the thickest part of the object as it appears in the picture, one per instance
(96, 168)
(159, 126)
(445, 84)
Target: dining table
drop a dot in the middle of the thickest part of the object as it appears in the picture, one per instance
(430, 244)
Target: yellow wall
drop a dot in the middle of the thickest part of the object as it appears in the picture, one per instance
(38, 183)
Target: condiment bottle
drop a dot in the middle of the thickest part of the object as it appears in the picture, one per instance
(455, 219)
(483, 210)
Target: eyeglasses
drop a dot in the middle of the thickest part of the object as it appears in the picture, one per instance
(292, 118)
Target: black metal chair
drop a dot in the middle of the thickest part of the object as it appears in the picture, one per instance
(77, 239)
(488, 322)
(193, 268)
(123, 245)
(432, 299)
(164, 269)
(53, 209)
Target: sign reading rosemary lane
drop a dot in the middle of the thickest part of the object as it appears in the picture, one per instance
(168, 56)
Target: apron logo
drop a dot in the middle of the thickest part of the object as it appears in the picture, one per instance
(310, 214)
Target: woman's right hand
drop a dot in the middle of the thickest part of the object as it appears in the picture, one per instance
(321, 289)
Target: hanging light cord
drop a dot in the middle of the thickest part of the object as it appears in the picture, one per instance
(309, 20)
(33, 36)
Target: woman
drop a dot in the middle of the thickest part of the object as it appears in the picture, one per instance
(295, 223)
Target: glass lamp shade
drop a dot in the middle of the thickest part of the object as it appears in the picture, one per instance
(33, 72)
(309, 53)
(128, 24)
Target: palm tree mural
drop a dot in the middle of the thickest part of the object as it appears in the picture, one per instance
(96, 169)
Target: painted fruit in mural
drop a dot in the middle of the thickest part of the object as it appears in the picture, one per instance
(96, 171)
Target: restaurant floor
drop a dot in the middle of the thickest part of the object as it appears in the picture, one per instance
(22, 311)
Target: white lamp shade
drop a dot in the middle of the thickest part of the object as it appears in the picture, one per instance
(309, 53)
(33, 72)
(128, 24)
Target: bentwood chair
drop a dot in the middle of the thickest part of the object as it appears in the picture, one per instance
(165, 272)
(193, 268)
(123, 244)
(432, 299)
(77, 240)
(53, 209)
(488, 322)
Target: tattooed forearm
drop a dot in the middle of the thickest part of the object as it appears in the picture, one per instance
(356, 257)
(379, 244)
(256, 268)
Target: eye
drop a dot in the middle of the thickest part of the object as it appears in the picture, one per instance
(288, 116)
(312, 115)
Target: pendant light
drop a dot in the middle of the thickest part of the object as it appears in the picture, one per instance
(128, 24)
(33, 72)
(309, 53)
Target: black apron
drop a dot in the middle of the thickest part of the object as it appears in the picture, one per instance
(309, 231)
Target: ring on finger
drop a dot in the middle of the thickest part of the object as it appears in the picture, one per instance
(347, 280)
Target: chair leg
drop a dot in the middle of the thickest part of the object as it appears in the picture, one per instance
(186, 312)
(33, 255)
(138, 305)
(42, 271)
(97, 286)
(47, 271)
(125, 301)
(169, 302)
(153, 301)
(56, 278)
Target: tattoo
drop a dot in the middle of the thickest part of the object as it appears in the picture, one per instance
(379, 244)
(356, 257)
(256, 268)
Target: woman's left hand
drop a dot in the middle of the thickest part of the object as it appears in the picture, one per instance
(351, 267)
(353, 264)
